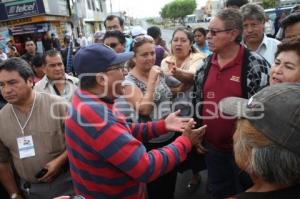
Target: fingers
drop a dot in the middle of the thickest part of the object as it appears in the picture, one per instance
(177, 112)
(200, 148)
(200, 130)
(47, 177)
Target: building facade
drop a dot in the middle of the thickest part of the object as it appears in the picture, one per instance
(23, 19)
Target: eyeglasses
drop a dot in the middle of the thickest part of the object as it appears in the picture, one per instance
(119, 67)
(214, 32)
(139, 40)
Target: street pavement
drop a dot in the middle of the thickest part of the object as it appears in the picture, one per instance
(182, 180)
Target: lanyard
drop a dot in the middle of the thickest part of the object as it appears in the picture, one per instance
(19, 123)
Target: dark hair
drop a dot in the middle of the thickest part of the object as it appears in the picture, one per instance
(37, 61)
(111, 17)
(253, 11)
(200, 29)
(154, 32)
(237, 3)
(117, 34)
(189, 35)
(50, 53)
(19, 65)
(232, 19)
(87, 82)
(295, 9)
(290, 20)
(289, 45)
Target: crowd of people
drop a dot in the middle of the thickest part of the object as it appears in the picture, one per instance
(120, 117)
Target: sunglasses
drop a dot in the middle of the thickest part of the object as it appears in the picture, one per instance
(141, 39)
(215, 32)
(112, 45)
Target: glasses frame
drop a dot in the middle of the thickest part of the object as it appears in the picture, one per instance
(141, 38)
(119, 67)
(214, 32)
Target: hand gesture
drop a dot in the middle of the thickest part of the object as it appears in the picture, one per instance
(154, 73)
(177, 124)
(199, 147)
(195, 135)
(172, 68)
(53, 168)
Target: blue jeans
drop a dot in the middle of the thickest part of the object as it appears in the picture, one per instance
(223, 173)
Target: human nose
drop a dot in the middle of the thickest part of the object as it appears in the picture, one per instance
(277, 68)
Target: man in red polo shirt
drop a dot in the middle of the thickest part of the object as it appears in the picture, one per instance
(231, 70)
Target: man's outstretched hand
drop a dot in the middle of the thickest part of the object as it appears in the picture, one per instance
(177, 124)
(195, 135)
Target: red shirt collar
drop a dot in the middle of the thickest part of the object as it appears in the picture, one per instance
(237, 61)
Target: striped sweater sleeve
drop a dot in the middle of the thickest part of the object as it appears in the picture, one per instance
(146, 131)
(113, 141)
(121, 149)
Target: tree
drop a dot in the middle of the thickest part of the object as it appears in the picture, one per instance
(178, 9)
(164, 12)
(268, 4)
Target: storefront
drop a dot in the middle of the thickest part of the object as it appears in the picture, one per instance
(33, 19)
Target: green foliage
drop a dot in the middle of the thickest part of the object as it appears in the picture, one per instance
(164, 12)
(268, 4)
(150, 20)
(178, 9)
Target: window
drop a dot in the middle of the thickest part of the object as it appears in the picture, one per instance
(100, 3)
(89, 4)
(93, 4)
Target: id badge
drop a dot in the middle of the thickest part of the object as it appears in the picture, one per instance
(26, 147)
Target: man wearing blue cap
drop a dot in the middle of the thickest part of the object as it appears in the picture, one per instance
(106, 154)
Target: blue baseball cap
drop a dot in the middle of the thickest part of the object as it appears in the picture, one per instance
(97, 58)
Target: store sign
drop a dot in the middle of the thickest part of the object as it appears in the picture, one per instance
(30, 28)
(21, 8)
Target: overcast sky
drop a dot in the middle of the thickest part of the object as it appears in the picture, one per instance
(139, 8)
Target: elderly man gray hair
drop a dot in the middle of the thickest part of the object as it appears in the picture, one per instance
(266, 141)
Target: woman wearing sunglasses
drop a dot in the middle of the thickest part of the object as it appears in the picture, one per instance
(146, 90)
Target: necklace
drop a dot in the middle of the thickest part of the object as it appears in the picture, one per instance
(25, 124)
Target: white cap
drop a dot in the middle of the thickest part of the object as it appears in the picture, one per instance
(138, 30)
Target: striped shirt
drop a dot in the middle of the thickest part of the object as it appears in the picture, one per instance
(106, 154)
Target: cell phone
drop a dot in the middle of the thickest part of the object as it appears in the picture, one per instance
(41, 173)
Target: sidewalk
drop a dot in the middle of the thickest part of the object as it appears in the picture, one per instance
(182, 181)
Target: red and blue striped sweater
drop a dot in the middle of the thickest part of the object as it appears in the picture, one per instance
(106, 154)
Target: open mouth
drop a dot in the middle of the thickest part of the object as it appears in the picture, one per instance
(276, 80)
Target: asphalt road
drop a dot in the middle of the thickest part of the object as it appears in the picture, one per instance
(182, 181)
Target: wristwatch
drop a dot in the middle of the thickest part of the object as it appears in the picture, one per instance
(14, 196)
